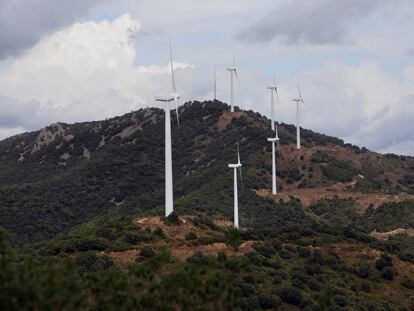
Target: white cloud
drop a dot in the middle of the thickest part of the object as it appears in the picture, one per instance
(84, 72)
(94, 70)
(362, 104)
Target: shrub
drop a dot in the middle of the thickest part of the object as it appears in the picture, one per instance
(173, 219)
(245, 289)
(147, 251)
(290, 295)
(264, 250)
(159, 232)
(137, 237)
(207, 240)
(191, 236)
(383, 262)
(408, 282)
(388, 273)
(199, 258)
(236, 263)
(269, 301)
(339, 171)
(89, 261)
(89, 245)
(340, 300)
(233, 238)
(304, 252)
(366, 287)
(363, 271)
(314, 285)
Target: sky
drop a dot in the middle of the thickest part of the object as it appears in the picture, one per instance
(83, 60)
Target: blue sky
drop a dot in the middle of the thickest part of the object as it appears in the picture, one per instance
(353, 58)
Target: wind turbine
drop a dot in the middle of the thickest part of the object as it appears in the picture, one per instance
(298, 101)
(167, 99)
(236, 167)
(232, 71)
(273, 90)
(274, 141)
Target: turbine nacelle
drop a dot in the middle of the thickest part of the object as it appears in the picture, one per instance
(273, 140)
(167, 97)
(237, 165)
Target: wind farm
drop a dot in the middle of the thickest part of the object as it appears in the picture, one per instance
(144, 167)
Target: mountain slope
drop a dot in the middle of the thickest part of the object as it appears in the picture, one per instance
(64, 175)
(82, 203)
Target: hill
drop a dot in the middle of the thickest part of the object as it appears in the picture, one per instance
(84, 198)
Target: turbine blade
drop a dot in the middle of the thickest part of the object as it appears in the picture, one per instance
(278, 150)
(300, 93)
(237, 77)
(172, 69)
(238, 153)
(277, 97)
(176, 110)
(277, 142)
(241, 177)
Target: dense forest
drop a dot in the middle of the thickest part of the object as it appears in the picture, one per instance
(79, 207)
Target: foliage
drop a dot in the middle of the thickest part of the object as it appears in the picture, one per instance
(67, 217)
(233, 238)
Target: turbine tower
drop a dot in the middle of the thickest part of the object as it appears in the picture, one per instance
(167, 99)
(273, 91)
(232, 71)
(274, 141)
(298, 101)
(236, 167)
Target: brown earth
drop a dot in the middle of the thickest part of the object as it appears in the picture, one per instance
(361, 253)
(290, 157)
(177, 232)
(226, 117)
(179, 248)
(389, 234)
(311, 196)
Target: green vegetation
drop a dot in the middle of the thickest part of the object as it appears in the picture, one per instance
(387, 217)
(70, 219)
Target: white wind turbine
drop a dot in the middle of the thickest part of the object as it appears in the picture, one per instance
(236, 167)
(273, 91)
(274, 141)
(232, 71)
(298, 101)
(167, 99)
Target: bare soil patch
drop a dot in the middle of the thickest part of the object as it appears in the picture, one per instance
(226, 117)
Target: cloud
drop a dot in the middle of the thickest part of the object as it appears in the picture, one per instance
(24, 23)
(362, 104)
(93, 70)
(310, 21)
(84, 72)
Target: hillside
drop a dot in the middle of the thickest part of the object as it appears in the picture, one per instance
(338, 236)
(64, 175)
